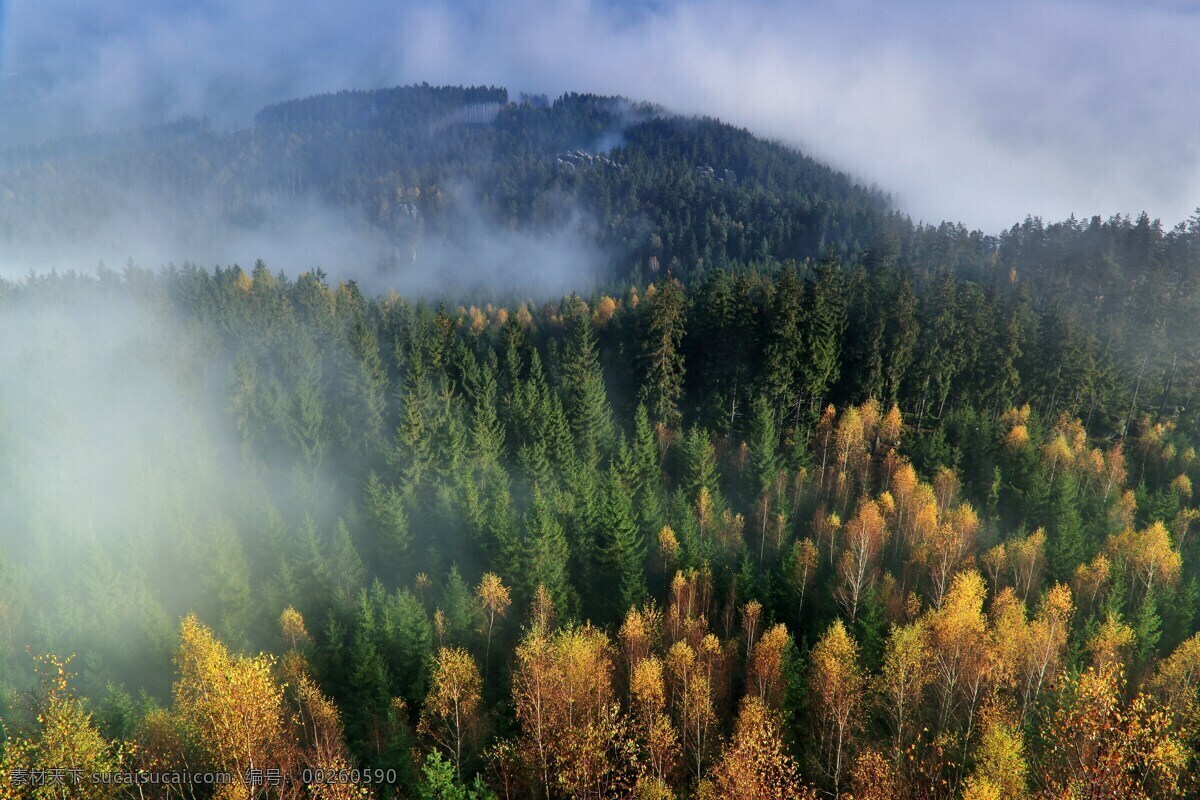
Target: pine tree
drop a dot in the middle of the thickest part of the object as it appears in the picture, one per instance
(700, 464)
(548, 556)
(626, 544)
(824, 327)
(661, 357)
(585, 526)
(414, 451)
(388, 524)
(903, 333)
(713, 345)
(459, 609)
(408, 645)
(226, 580)
(784, 342)
(368, 680)
(363, 390)
(1067, 543)
(584, 398)
(1147, 628)
(342, 571)
(647, 477)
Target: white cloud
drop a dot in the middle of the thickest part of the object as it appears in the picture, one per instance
(979, 113)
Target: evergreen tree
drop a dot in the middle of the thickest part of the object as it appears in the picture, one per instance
(1068, 542)
(584, 398)
(548, 556)
(387, 525)
(647, 473)
(784, 343)
(824, 327)
(661, 357)
(626, 544)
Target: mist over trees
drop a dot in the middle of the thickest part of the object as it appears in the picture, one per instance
(795, 499)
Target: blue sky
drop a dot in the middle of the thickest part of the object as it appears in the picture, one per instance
(974, 112)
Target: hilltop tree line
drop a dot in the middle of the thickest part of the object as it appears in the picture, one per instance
(1109, 303)
(806, 530)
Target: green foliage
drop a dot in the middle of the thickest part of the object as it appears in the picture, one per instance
(439, 782)
(359, 445)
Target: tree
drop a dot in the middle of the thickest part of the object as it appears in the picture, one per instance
(230, 706)
(63, 738)
(825, 324)
(1000, 761)
(494, 599)
(903, 331)
(661, 357)
(754, 766)
(584, 398)
(291, 625)
(388, 524)
(547, 554)
(767, 668)
(764, 464)
(958, 647)
(945, 546)
(626, 544)
(784, 343)
(903, 680)
(1046, 645)
(534, 685)
(647, 685)
(1101, 748)
(1067, 545)
(836, 684)
(226, 579)
(801, 569)
(439, 781)
(451, 715)
(647, 479)
(1149, 559)
(692, 695)
(864, 537)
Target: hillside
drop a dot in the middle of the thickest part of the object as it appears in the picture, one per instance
(790, 498)
(410, 163)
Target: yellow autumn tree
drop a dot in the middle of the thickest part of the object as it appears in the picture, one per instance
(862, 542)
(63, 737)
(292, 628)
(836, 686)
(1110, 644)
(230, 706)
(1150, 559)
(1101, 747)
(494, 599)
(658, 735)
(321, 737)
(765, 672)
(450, 716)
(999, 757)
(959, 649)
(903, 679)
(692, 701)
(754, 765)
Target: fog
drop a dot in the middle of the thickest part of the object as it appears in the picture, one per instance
(975, 113)
(119, 466)
(303, 234)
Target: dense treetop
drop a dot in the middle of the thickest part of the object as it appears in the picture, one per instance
(804, 500)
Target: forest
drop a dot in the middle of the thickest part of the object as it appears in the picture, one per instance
(799, 499)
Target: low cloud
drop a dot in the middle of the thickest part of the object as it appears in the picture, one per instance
(306, 233)
(973, 113)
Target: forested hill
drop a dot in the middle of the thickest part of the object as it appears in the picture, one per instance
(796, 499)
(656, 192)
(623, 547)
